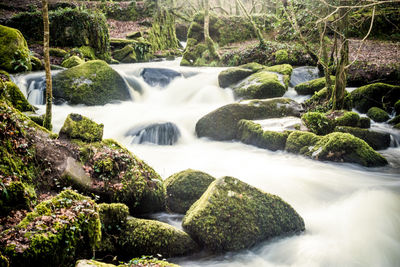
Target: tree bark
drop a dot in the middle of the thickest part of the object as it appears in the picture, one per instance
(206, 19)
(49, 90)
(253, 24)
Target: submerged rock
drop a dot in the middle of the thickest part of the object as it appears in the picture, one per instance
(158, 133)
(14, 52)
(91, 83)
(158, 76)
(55, 233)
(262, 84)
(379, 95)
(148, 237)
(80, 127)
(221, 124)
(184, 188)
(233, 215)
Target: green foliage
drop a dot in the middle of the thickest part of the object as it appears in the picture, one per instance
(318, 123)
(377, 114)
(72, 62)
(233, 215)
(80, 127)
(91, 83)
(184, 188)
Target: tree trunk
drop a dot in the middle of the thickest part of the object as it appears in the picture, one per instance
(253, 24)
(49, 90)
(206, 19)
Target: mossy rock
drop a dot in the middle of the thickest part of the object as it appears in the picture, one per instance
(36, 64)
(91, 83)
(349, 118)
(88, 52)
(262, 84)
(377, 114)
(232, 215)
(135, 262)
(252, 133)
(318, 123)
(233, 75)
(119, 176)
(126, 54)
(184, 188)
(365, 122)
(113, 216)
(57, 52)
(17, 98)
(376, 140)
(4, 76)
(80, 127)
(379, 95)
(397, 107)
(284, 69)
(14, 52)
(16, 195)
(282, 56)
(134, 35)
(4, 261)
(310, 87)
(395, 120)
(344, 147)
(72, 62)
(55, 233)
(148, 237)
(221, 124)
(299, 142)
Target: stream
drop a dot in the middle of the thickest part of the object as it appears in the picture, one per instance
(351, 213)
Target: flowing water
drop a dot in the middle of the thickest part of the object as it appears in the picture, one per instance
(352, 213)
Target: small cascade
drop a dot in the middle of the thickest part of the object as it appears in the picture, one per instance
(36, 90)
(156, 133)
(303, 74)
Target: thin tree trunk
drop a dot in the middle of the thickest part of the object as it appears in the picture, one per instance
(206, 19)
(253, 24)
(46, 41)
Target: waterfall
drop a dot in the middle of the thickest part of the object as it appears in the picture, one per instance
(157, 133)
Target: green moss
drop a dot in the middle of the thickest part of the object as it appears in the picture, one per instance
(232, 75)
(377, 114)
(16, 195)
(88, 52)
(344, 147)
(5, 76)
(233, 215)
(184, 188)
(253, 66)
(126, 54)
(148, 261)
(310, 87)
(61, 229)
(301, 142)
(318, 123)
(14, 52)
(17, 98)
(92, 263)
(113, 217)
(80, 127)
(379, 95)
(91, 83)
(281, 56)
(284, 69)
(57, 52)
(72, 62)
(221, 124)
(147, 237)
(3, 261)
(397, 107)
(348, 119)
(376, 140)
(36, 64)
(262, 84)
(193, 53)
(252, 133)
(365, 122)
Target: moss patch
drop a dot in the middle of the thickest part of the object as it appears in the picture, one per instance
(80, 127)
(72, 62)
(17, 98)
(301, 142)
(318, 123)
(376, 140)
(348, 119)
(310, 87)
(377, 114)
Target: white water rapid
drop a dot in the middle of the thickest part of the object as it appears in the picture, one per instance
(351, 213)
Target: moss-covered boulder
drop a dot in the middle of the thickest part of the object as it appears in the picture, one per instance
(80, 127)
(284, 69)
(55, 233)
(113, 216)
(16, 195)
(135, 262)
(300, 142)
(252, 133)
(72, 62)
(310, 87)
(233, 75)
(221, 124)
(91, 83)
(344, 147)
(377, 114)
(233, 215)
(379, 95)
(118, 176)
(148, 237)
(37, 64)
(14, 52)
(125, 55)
(350, 118)
(57, 52)
(376, 140)
(318, 123)
(365, 122)
(184, 188)
(17, 98)
(263, 84)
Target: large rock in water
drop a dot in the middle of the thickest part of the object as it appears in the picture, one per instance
(158, 76)
(14, 52)
(262, 84)
(221, 124)
(310, 87)
(184, 188)
(166, 133)
(379, 95)
(91, 83)
(233, 215)
(80, 127)
(55, 233)
(231, 76)
(376, 140)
